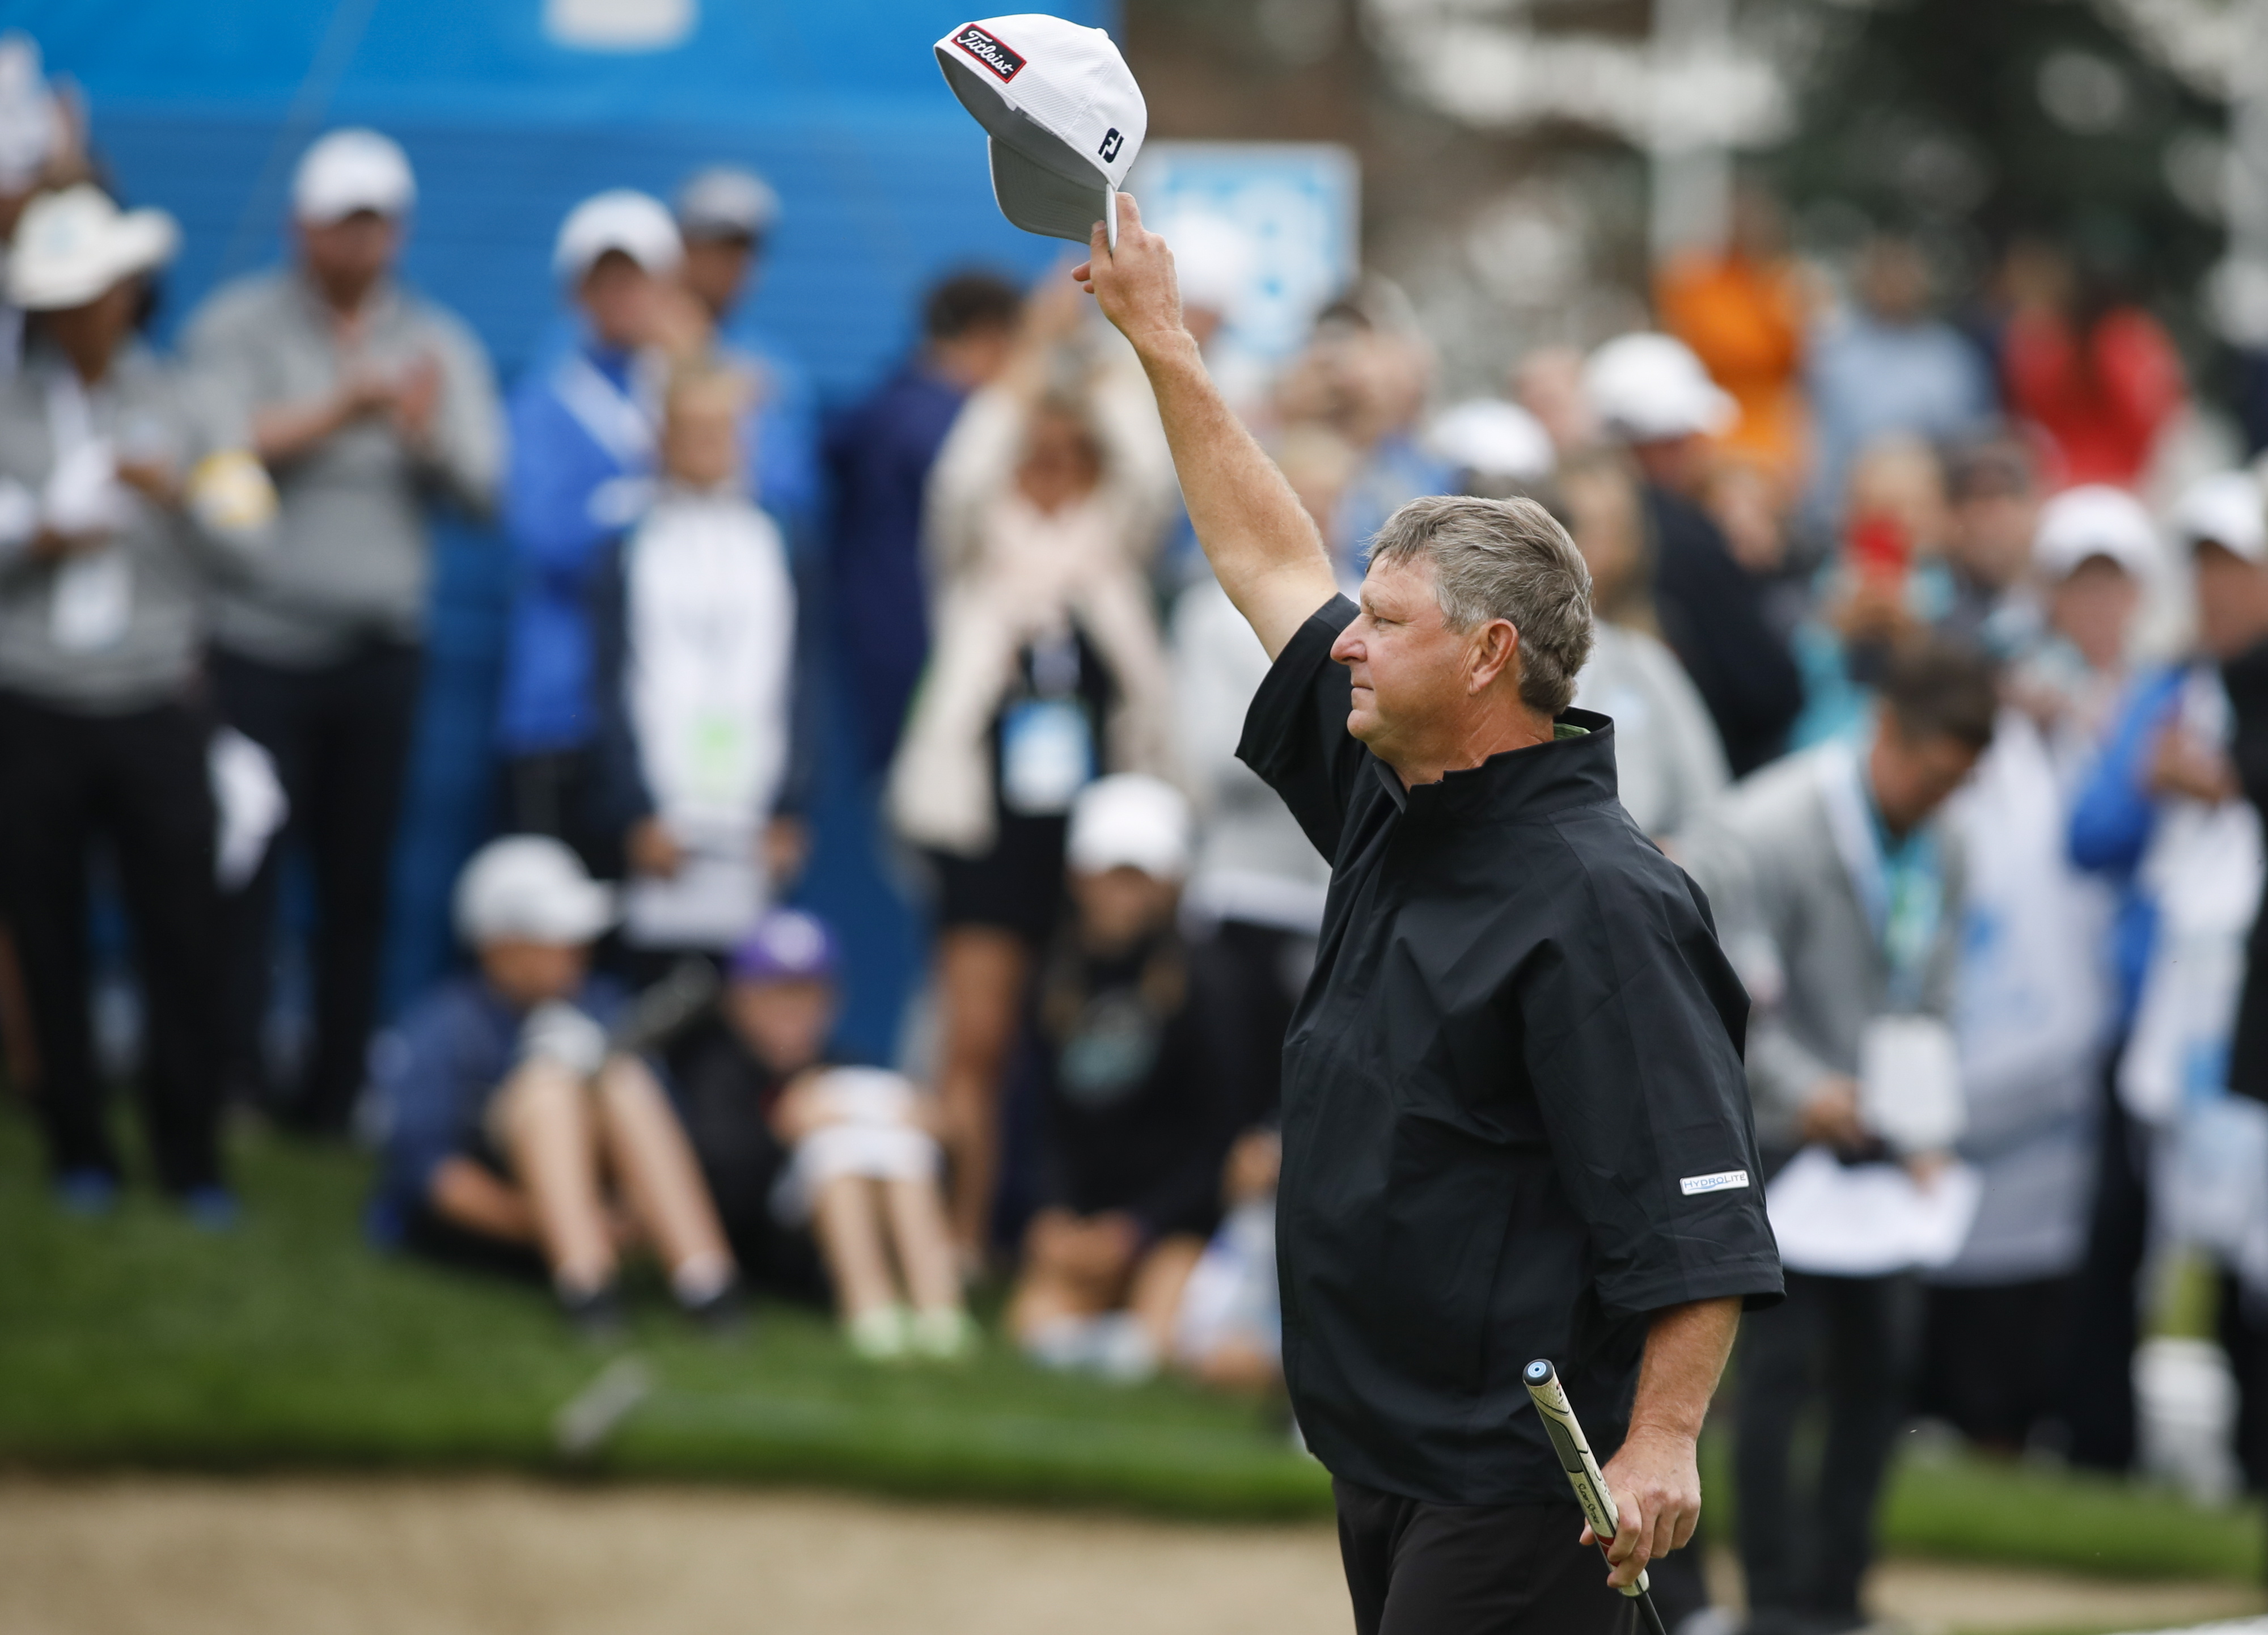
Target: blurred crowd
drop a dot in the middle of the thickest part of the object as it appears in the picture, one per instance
(1935, 641)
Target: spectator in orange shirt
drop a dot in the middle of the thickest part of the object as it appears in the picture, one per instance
(1744, 313)
(2088, 364)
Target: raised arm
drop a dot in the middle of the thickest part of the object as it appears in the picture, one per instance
(1264, 547)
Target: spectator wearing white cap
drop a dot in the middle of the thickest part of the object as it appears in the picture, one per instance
(519, 1114)
(1146, 1076)
(1650, 393)
(369, 404)
(122, 503)
(2040, 1008)
(585, 435)
(725, 216)
(2162, 817)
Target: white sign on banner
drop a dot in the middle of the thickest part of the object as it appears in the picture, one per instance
(1297, 204)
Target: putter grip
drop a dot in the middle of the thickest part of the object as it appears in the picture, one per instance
(1575, 1456)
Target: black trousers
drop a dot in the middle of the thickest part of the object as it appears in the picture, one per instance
(562, 793)
(2106, 1323)
(1420, 1569)
(340, 735)
(138, 784)
(1805, 1546)
(1994, 1358)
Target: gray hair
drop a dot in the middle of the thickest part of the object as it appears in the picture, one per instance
(1503, 559)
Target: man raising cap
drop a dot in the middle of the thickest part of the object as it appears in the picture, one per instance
(367, 403)
(1515, 1124)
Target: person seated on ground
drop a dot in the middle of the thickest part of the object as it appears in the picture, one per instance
(793, 1144)
(1229, 1329)
(515, 1121)
(695, 638)
(1141, 1060)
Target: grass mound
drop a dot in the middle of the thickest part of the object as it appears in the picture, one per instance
(142, 1341)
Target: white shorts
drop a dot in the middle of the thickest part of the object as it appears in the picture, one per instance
(875, 1137)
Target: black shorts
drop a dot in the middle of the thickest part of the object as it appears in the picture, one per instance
(1016, 886)
(1420, 1569)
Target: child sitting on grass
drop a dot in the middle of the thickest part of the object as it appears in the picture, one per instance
(515, 1122)
(790, 1141)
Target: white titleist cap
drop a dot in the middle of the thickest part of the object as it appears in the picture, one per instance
(2225, 508)
(530, 888)
(622, 219)
(71, 247)
(1063, 111)
(2095, 520)
(1130, 821)
(1649, 387)
(349, 171)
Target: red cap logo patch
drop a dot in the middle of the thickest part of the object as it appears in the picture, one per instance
(1003, 62)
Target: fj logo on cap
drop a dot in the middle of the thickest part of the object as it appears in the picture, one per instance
(1723, 1181)
(1112, 140)
(1003, 62)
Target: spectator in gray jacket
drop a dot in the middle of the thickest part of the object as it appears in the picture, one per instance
(366, 402)
(1838, 894)
(116, 501)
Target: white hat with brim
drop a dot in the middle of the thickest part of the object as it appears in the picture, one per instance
(70, 247)
(1130, 820)
(1491, 437)
(348, 171)
(1648, 388)
(622, 221)
(1062, 111)
(531, 888)
(2225, 508)
(2093, 521)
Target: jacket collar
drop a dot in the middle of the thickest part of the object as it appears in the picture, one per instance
(1526, 783)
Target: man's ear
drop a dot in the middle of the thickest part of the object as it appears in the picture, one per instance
(1495, 651)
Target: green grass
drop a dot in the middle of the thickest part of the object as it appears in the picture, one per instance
(141, 1342)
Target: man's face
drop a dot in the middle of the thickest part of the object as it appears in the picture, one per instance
(975, 357)
(618, 295)
(2232, 596)
(2092, 608)
(1992, 538)
(716, 272)
(1410, 669)
(1914, 773)
(352, 253)
(527, 973)
(784, 1024)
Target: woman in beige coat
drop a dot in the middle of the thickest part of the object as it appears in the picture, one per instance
(1045, 507)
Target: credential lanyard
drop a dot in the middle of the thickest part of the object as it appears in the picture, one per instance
(1901, 890)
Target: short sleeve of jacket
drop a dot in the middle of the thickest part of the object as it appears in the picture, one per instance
(1633, 1020)
(1295, 734)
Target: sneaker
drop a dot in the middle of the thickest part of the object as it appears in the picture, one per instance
(1124, 1354)
(879, 1335)
(211, 1208)
(90, 1193)
(724, 1314)
(596, 1315)
(947, 1333)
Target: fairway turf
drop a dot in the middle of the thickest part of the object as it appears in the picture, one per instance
(140, 1341)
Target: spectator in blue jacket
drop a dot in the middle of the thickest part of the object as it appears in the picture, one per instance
(583, 440)
(725, 216)
(2161, 807)
(879, 455)
(512, 1105)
